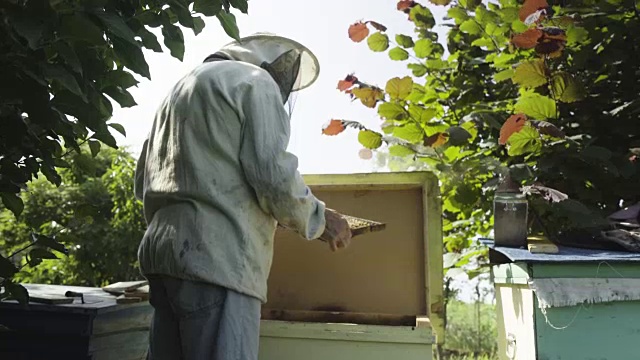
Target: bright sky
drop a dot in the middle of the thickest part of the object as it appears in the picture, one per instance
(322, 27)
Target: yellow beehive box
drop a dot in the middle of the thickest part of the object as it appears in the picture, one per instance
(379, 298)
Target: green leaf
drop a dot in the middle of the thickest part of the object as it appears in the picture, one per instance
(410, 132)
(484, 42)
(80, 28)
(105, 136)
(577, 35)
(61, 75)
(69, 56)
(39, 253)
(421, 114)
(7, 269)
(470, 27)
(51, 174)
(418, 70)
(504, 75)
(207, 7)
(536, 106)
(392, 111)
(198, 25)
(149, 39)
(399, 88)
(241, 5)
(525, 141)
(566, 88)
(85, 163)
(519, 27)
(119, 128)
(404, 41)
(49, 242)
(174, 40)
(491, 118)
(437, 64)
(132, 57)
(378, 42)
(18, 292)
(422, 17)
(28, 27)
(458, 136)
(95, 147)
(119, 78)
(228, 22)
(400, 151)
(503, 60)
(114, 24)
(60, 163)
(123, 97)
(531, 74)
(458, 14)
(12, 202)
(423, 48)
(398, 54)
(440, 2)
(370, 139)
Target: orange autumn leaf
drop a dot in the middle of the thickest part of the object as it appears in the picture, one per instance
(347, 83)
(405, 5)
(334, 127)
(436, 140)
(369, 96)
(528, 39)
(530, 7)
(377, 26)
(513, 124)
(358, 31)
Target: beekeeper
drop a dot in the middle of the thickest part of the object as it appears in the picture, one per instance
(216, 179)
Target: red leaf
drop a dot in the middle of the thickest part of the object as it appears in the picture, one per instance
(436, 140)
(406, 5)
(334, 127)
(531, 6)
(513, 124)
(528, 39)
(377, 26)
(358, 31)
(347, 83)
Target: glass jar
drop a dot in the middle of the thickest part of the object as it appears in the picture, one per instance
(510, 208)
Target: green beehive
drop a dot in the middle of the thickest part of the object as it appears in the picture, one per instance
(577, 304)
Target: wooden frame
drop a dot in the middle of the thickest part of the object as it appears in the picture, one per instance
(432, 230)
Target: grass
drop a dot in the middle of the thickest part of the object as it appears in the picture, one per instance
(471, 332)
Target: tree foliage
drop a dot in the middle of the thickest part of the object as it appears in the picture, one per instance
(545, 92)
(93, 213)
(63, 63)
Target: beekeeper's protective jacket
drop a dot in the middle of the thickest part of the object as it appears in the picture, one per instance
(215, 177)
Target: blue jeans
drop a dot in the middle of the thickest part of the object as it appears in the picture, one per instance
(194, 321)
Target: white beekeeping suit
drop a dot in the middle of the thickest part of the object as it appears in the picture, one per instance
(214, 174)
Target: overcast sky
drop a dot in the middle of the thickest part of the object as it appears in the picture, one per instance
(322, 27)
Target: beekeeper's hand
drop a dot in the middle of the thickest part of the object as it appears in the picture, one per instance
(336, 232)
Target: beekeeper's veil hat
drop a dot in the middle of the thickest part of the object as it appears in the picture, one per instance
(291, 64)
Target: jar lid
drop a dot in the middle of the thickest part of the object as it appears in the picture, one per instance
(507, 185)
